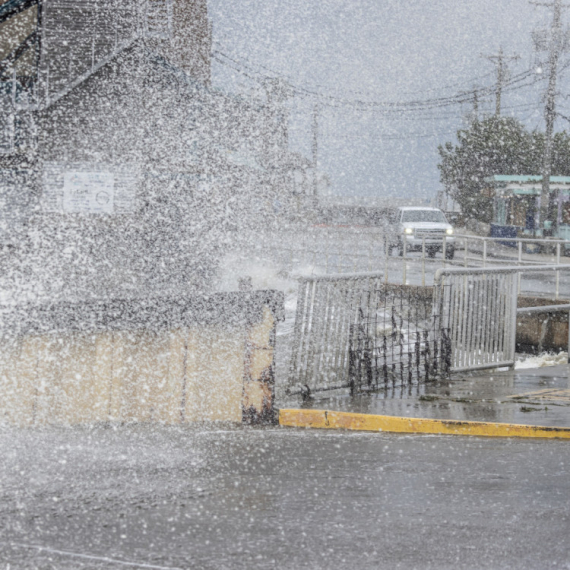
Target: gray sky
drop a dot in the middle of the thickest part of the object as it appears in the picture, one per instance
(380, 51)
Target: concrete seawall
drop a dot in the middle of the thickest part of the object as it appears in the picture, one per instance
(542, 331)
(172, 361)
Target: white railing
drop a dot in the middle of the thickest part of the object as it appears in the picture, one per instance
(327, 307)
(351, 250)
(473, 311)
(398, 326)
(479, 308)
(502, 256)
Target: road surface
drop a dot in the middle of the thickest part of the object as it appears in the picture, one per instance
(162, 497)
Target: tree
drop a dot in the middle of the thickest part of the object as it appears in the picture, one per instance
(495, 145)
(560, 153)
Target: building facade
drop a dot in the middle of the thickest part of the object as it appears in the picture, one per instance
(125, 173)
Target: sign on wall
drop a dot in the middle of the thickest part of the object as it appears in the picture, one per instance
(90, 189)
(88, 192)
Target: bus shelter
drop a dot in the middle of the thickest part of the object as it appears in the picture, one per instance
(516, 206)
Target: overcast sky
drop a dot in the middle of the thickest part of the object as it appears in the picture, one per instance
(380, 51)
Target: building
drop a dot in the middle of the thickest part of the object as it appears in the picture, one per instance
(516, 205)
(124, 173)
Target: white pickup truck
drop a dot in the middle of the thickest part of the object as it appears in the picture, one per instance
(416, 226)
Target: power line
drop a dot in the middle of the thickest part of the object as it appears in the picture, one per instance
(516, 82)
(518, 77)
(238, 66)
(254, 65)
(407, 136)
(455, 115)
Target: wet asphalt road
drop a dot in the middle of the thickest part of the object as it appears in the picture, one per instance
(164, 497)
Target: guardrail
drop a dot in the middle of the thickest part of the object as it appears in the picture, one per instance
(519, 243)
(486, 258)
(355, 330)
(352, 250)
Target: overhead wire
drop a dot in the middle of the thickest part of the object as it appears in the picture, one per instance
(514, 83)
(254, 65)
(396, 110)
(403, 136)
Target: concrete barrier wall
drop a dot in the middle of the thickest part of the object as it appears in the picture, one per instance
(204, 359)
(542, 331)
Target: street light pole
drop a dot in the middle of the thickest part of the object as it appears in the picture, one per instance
(550, 108)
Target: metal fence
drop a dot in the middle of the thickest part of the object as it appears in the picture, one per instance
(366, 249)
(398, 340)
(479, 308)
(355, 330)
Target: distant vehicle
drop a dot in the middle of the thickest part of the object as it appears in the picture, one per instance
(412, 225)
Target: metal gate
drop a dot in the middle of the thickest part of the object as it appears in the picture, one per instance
(479, 308)
(357, 331)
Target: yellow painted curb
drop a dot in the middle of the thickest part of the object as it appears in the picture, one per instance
(325, 419)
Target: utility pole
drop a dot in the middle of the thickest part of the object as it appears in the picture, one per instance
(500, 62)
(554, 50)
(315, 148)
(474, 115)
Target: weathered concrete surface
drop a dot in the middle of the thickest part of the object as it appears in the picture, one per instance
(536, 397)
(541, 331)
(176, 497)
(202, 358)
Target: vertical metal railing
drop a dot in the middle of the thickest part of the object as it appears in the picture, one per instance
(359, 315)
(501, 257)
(327, 308)
(474, 312)
(480, 311)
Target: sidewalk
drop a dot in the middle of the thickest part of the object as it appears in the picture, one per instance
(536, 397)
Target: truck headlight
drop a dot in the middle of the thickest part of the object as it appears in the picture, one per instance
(408, 231)
(449, 231)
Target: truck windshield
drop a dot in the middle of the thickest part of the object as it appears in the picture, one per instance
(423, 216)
